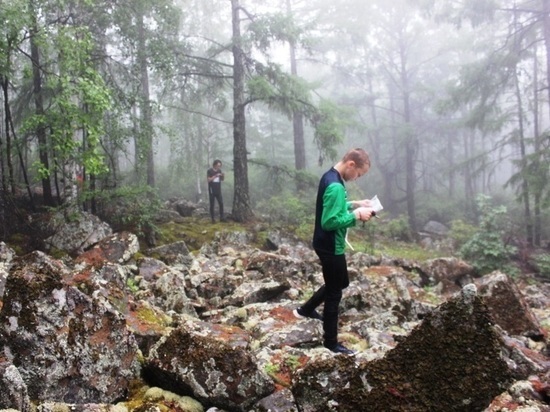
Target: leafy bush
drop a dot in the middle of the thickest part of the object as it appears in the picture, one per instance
(542, 263)
(397, 229)
(287, 209)
(128, 208)
(486, 250)
(461, 232)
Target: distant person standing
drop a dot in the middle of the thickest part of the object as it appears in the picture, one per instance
(215, 176)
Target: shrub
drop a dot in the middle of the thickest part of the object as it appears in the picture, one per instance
(397, 229)
(542, 263)
(486, 250)
(287, 209)
(129, 208)
(461, 232)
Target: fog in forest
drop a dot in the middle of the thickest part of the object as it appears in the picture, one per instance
(451, 100)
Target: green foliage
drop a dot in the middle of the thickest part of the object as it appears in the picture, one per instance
(289, 94)
(287, 209)
(329, 122)
(304, 231)
(271, 369)
(128, 208)
(79, 101)
(264, 30)
(486, 249)
(405, 250)
(132, 285)
(397, 229)
(542, 263)
(280, 90)
(461, 232)
(293, 362)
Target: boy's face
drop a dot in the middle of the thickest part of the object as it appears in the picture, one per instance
(217, 166)
(353, 172)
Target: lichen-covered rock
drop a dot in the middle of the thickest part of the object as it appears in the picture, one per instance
(315, 385)
(280, 401)
(68, 346)
(508, 306)
(172, 253)
(252, 292)
(75, 232)
(118, 248)
(208, 369)
(169, 292)
(452, 361)
(278, 267)
(13, 390)
(449, 273)
(6, 256)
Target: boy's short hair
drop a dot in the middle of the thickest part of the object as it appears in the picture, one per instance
(217, 161)
(359, 156)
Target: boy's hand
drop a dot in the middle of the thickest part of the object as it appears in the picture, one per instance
(363, 213)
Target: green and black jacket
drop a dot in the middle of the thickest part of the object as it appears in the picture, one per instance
(333, 215)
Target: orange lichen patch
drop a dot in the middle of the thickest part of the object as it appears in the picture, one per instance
(380, 270)
(542, 388)
(94, 257)
(144, 321)
(101, 336)
(503, 403)
(78, 278)
(232, 335)
(285, 369)
(282, 315)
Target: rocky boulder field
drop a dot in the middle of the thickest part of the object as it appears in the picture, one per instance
(112, 326)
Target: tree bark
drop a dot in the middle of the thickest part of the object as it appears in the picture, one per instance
(241, 200)
(39, 110)
(297, 118)
(410, 146)
(9, 164)
(146, 129)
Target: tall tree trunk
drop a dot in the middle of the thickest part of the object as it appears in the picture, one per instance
(242, 211)
(410, 146)
(387, 170)
(146, 129)
(523, 162)
(11, 135)
(39, 109)
(452, 174)
(9, 165)
(468, 177)
(546, 26)
(297, 118)
(537, 226)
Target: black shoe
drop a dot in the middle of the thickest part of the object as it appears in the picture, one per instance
(312, 315)
(339, 348)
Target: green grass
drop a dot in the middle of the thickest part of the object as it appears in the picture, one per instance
(407, 251)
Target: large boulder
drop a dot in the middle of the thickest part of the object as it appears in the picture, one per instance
(117, 248)
(209, 369)
(67, 346)
(443, 364)
(508, 306)
(75, 232)
(13, 390)
(449, 273)
(6, 257)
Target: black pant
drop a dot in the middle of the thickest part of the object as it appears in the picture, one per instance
(335, 275)
(215, 193)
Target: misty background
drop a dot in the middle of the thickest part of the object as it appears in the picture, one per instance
(111, 99)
